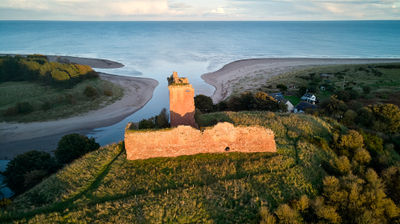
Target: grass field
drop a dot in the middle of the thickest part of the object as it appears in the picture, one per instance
(104, 187)
(51, 103)
(383, 80)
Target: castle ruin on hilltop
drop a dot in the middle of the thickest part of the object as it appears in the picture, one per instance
(184, 138)
(181, 101)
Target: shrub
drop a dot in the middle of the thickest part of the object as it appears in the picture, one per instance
(90, 92)
(147, 124)
(46, 105)
(263, 101)
(161, 120)
(353, 140)
(28, 169)
(387, 118)
(349, 117)
(73, 146)
(19, 108)
(281, 87)
(24, 108)
(366, 89)
(204, 103)
(108, 92)
(11, 111)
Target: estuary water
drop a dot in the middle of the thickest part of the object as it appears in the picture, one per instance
(155, 49)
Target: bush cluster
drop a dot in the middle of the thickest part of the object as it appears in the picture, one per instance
(245, 101)
(38, 68)
(28, 169)
(19, 108)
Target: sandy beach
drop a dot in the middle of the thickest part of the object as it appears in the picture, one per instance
(225, 79)
(16, 138)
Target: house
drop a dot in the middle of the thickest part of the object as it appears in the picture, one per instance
(311, 98)
(303, 106)
(279, 97)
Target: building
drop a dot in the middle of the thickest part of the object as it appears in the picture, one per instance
(279, 97)
(311, 98)
(303, 106)
(181, 101)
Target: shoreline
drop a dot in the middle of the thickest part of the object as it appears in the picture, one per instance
(17, 138)
(230, 74)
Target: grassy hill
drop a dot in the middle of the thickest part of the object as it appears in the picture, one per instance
(104, 187)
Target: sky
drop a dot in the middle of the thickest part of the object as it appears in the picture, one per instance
(177, 10)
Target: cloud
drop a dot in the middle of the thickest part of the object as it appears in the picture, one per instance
(200, 9)
(94, 8)
(218, 11)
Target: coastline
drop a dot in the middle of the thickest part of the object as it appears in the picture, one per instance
(17, 138)
(230, 74)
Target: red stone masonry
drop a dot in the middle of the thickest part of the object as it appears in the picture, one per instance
(181, 101)
(186, 140)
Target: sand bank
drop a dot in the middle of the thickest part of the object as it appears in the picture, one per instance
(233, 73)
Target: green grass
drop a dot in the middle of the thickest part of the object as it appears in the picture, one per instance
(293, 99)
(207, 188)
(62, 102)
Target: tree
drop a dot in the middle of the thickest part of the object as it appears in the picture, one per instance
(334, 107)
(282, 87)
(204, 103)
(28, 169)
(262, 101)
(387, 118)
(73, 146)
(161, 120)
(147, 124)
(350, 141)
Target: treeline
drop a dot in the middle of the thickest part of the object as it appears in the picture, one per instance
(246, 101)
(38, 68)
(30, 168)
(157, 122)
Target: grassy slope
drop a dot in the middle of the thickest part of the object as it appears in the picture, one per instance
(64, 102)
(223, 188)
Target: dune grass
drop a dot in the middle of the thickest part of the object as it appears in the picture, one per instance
(382, 79)
(208, 188)
(51, 103)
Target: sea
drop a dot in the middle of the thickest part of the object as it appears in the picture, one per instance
(156, 49)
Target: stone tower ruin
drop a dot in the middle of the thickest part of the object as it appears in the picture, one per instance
(181, 101)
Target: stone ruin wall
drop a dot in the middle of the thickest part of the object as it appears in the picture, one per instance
(181, 105)
(186, 140)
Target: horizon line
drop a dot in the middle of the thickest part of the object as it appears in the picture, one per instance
(322, 20)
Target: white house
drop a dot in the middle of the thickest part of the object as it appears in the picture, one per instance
(311, 98)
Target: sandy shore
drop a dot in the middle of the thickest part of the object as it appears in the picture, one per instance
(233, 73)
(16, 138)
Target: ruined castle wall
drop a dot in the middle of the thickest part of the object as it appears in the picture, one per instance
(185, 140)
(181, 105)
